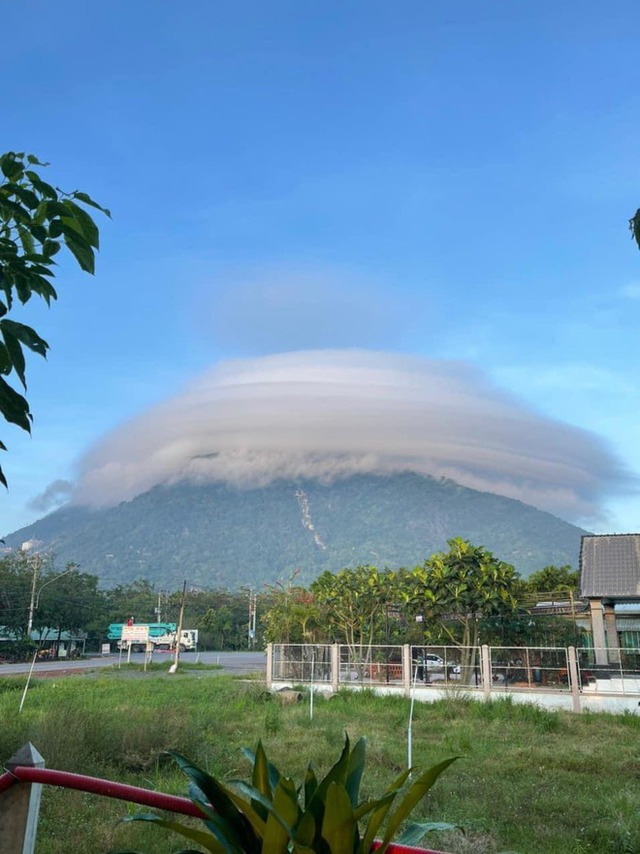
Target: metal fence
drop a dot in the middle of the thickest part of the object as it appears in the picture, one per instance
(371, 664)
(446, 665)
(486, 669)
(614, 670)
(301, 662)
(530, 667)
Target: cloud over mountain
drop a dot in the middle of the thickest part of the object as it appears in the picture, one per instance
(331, 413)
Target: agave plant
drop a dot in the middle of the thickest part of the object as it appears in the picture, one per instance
(270, 815)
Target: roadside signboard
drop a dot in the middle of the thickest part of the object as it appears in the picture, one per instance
(135, 634)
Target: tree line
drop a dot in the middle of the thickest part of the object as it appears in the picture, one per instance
(461, 596)
(72, 601)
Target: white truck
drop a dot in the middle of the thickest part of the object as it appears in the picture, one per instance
(188, 641)
(161, 636)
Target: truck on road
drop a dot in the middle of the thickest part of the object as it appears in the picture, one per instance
(162, 636)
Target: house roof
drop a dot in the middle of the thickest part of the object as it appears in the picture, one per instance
(42, 635)
(610, 566)
(49, 635)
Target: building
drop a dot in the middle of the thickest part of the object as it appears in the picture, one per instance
(610, 582)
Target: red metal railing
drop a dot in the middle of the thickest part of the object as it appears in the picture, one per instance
(96, 786)
(133, 794)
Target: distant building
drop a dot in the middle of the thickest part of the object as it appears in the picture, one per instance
(52, 643)
(610, 582)
(60, 644)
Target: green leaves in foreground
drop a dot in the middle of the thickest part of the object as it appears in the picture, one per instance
(270, 814)
(634, 227)
(36, 222)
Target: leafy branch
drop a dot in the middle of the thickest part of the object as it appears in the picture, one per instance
(634, 227)
(37, 220)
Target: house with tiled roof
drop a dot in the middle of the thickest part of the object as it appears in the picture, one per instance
(610, 582)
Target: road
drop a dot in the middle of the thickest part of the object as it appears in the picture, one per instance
(231, 662)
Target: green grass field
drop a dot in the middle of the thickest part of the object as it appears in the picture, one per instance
(529, 780)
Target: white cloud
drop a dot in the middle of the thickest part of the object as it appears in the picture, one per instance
(56, 493)
(327, 414)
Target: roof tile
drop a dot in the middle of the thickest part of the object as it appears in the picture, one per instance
(610, 566)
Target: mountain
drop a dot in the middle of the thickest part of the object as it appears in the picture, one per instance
(217, 535)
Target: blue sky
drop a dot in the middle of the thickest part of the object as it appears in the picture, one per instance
(444, 180)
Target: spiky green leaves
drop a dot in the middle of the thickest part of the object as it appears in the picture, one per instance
(266, 816)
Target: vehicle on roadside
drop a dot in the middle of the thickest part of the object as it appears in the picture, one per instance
(431, 663)
(161, 637)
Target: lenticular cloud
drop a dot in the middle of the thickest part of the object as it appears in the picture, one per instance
(328, 414)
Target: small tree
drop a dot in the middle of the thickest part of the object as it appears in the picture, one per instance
(553, 579)
(36, 221)
(221, 617)
(17, 574)
(354, 602)
(70, 602)
(291, 614)
(459, 588)
(137, 599)
(218, 623)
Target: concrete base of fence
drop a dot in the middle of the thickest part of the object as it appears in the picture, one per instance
(552, 699)
(20, 805)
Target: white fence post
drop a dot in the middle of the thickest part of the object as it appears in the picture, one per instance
(335, 666)
(269, 665)
(406, 668)
(486, 672)
(598, 631)
(573, 678)
(20, 805)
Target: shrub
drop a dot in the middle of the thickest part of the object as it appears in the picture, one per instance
(265, 814)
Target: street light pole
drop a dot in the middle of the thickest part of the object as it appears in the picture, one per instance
(69, 569)
(35, 597)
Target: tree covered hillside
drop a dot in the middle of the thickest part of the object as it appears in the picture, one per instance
(218, 535)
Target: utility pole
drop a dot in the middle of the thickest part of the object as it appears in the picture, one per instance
(174, 667)
(158, 610)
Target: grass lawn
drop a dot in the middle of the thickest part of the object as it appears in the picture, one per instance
(528, 780)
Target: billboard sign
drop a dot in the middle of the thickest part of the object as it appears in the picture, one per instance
(135, 634)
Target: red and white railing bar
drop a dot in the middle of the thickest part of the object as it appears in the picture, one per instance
(106, 788)
(133, 794)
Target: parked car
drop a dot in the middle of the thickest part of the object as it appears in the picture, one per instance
(433, 663)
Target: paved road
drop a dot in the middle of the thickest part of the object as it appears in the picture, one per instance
(232, 662)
